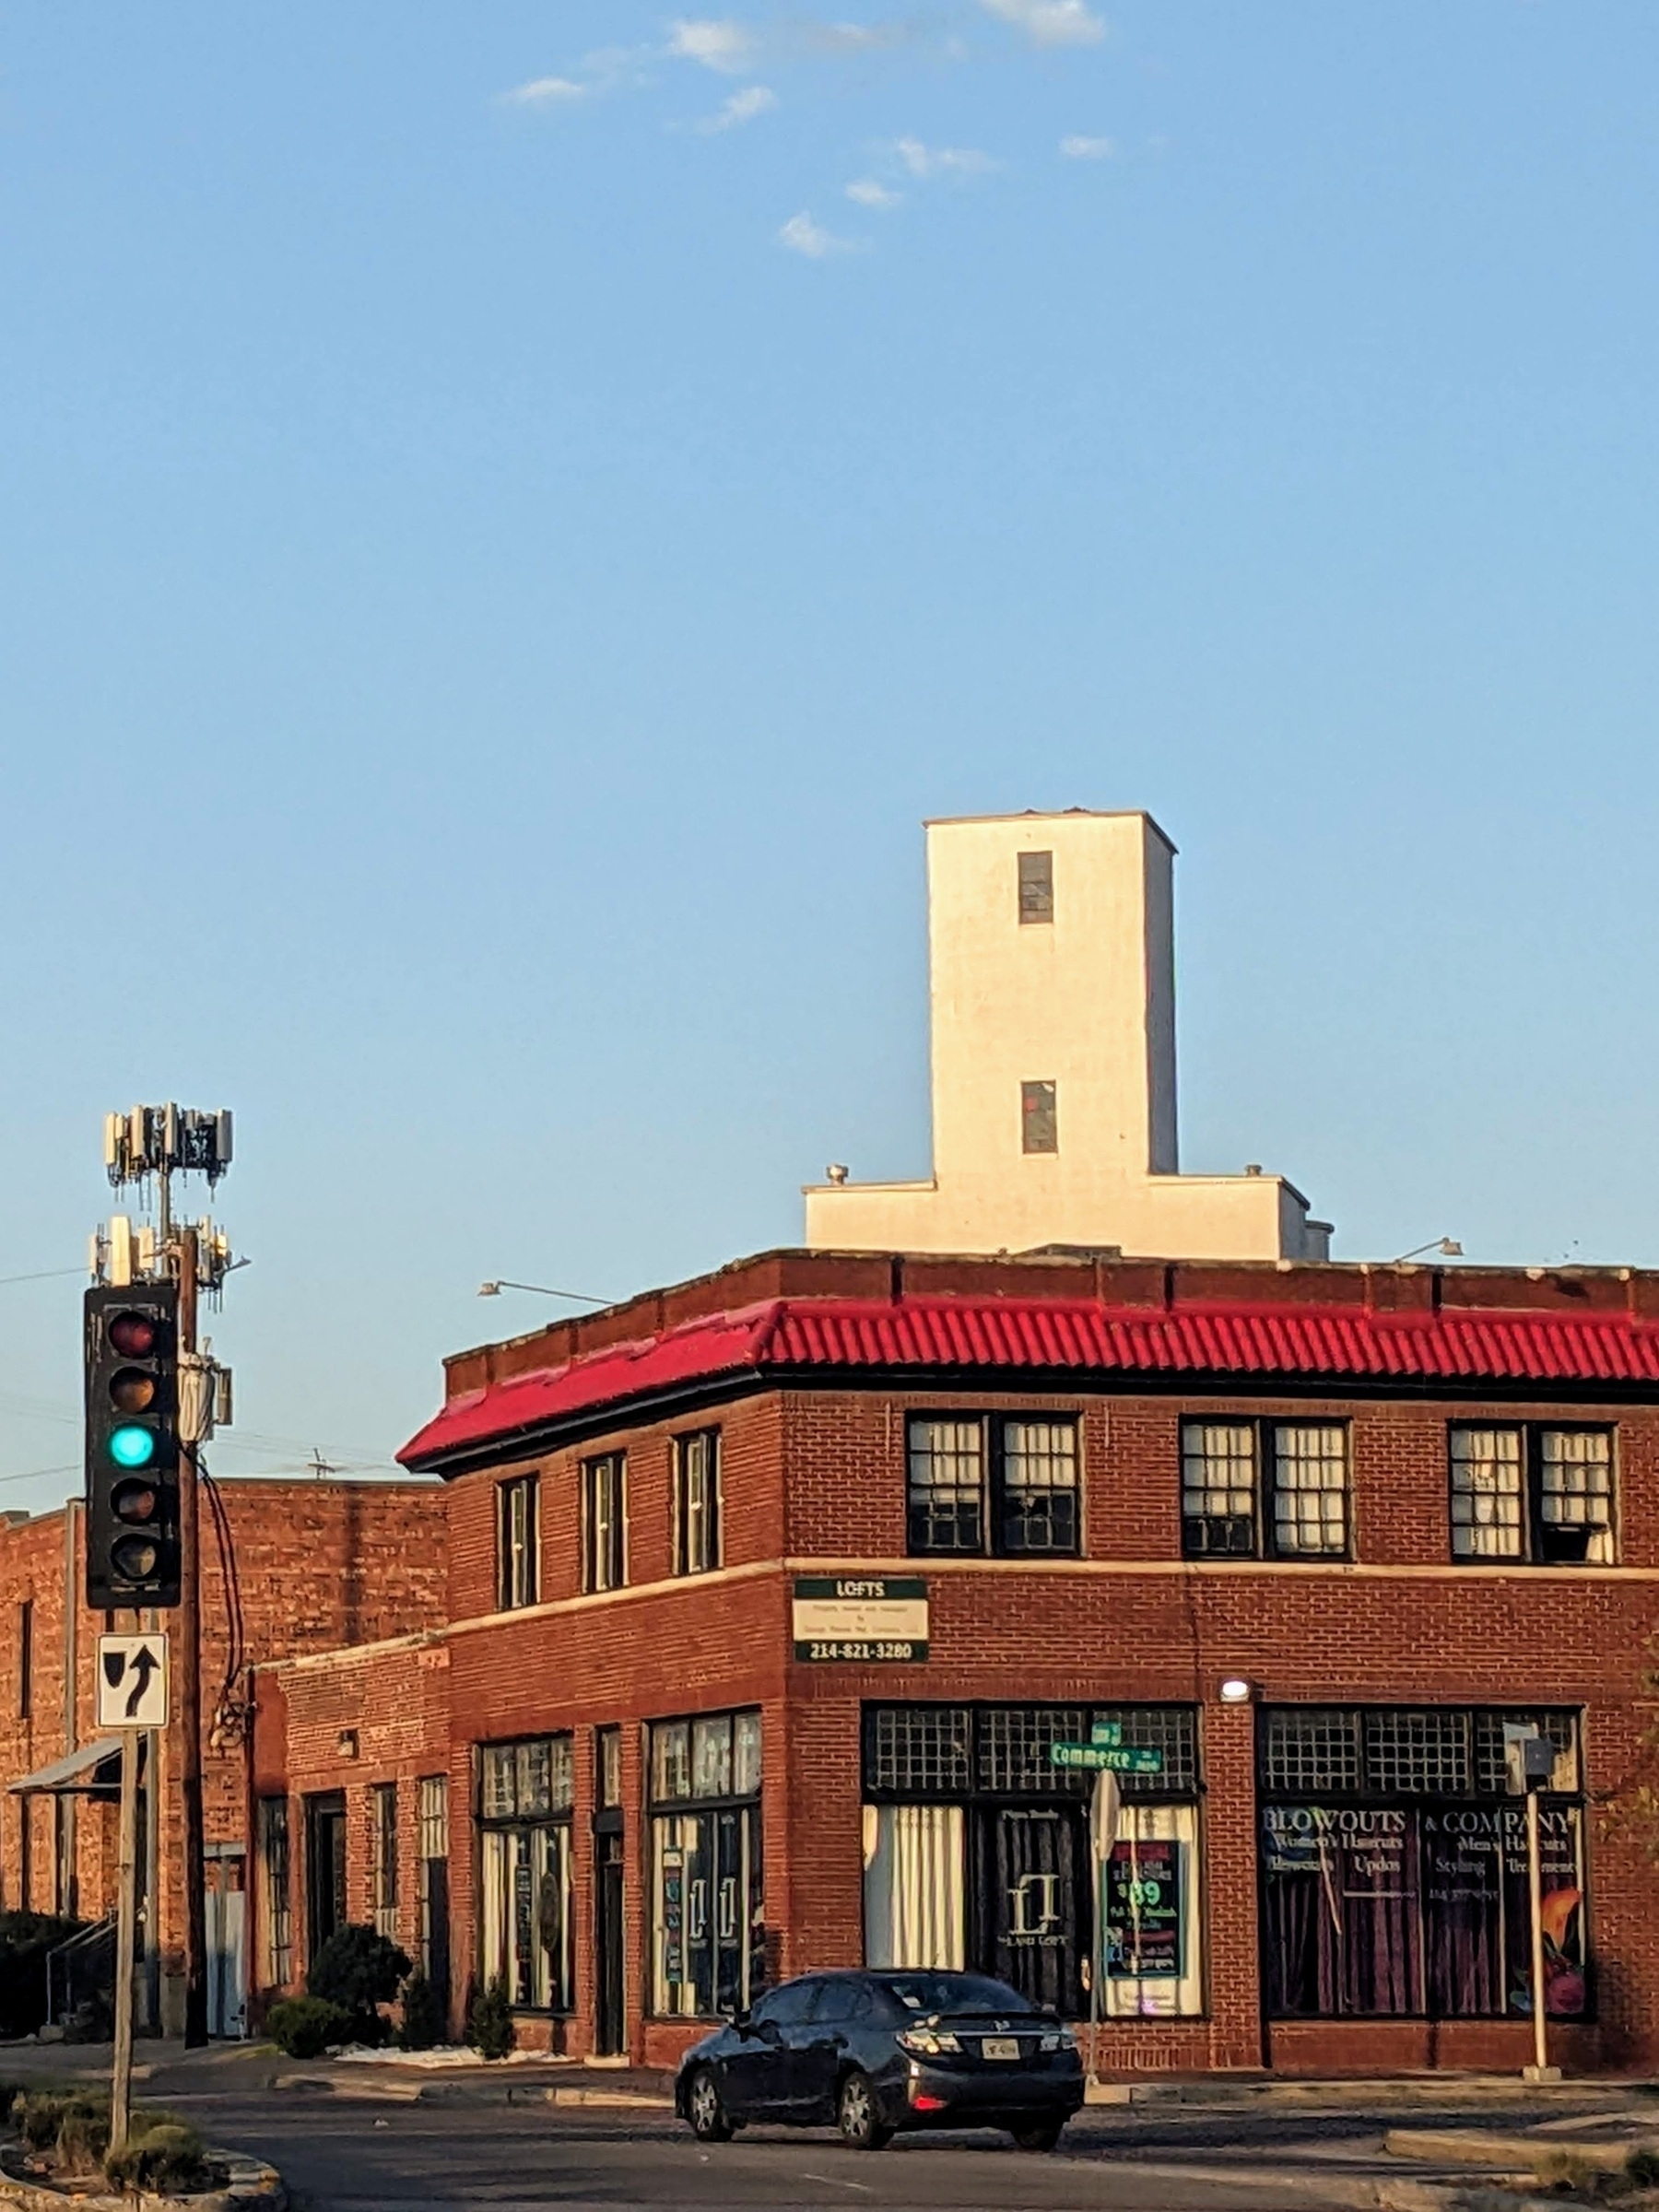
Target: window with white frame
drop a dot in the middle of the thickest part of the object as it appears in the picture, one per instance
(697, 1502)
(707, 1938)
(518, 1524)
(526, 1792)
(605, 1522)
(1274, 1489)
(1526, 1493)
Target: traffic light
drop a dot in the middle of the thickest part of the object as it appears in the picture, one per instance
(132, 1445)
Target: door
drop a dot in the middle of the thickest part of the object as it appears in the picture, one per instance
(610, 1979)
(225, 1902)
(760, 2074)
(325, 1869)
(821, 2046)
(1032, 1903)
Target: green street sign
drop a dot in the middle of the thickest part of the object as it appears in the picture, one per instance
(1112, 1758)
(1106, 1732)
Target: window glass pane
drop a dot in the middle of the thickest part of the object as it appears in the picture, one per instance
(498, 1795)
(712, 1757)
(561, 1774)
(1171, 1729)
(1418, 1754)
(1038, 1118)
(671, 1760)
(1575, 1502)
(1310, 1491)
(434, 1817)
(1039, 1486)
(1036, 887)
(609, 1767)
(918, 1750)
(535, 1777)
(1013, 1750)
(946, 1486)
(745, 1755)
(1311, 1748)
(1487, 1493)
(706, 1937)
(1218, 1488)
(915, 1885)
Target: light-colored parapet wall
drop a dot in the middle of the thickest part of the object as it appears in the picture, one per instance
(1158, 1217)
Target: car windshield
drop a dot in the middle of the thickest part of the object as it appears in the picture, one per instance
(956, 1993)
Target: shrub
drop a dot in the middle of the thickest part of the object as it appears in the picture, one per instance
(489, 2028)
(424, 2019)
(304, 2026)
(1641, 2169)
(83, 2135)
(360, 1970)
(25, 1939)
(39, 2115)
(164, 2158)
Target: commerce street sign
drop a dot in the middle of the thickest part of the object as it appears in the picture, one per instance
(1109, 1759)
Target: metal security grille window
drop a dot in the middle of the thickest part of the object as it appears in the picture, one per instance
(1036, 887)
(518, 1516)
(525, 1795)
(382, 1856)
(605, 1522)
(1013, 1479)
(432, 1844)
(1394, 1866)
(276, 1902)
(977, 1853)
(706, 1936)
(1531, 1493)
(1038, 1118)
(697, 1502)
(1300, 1465)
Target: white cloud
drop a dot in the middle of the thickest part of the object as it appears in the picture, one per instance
(1078, 149)
(942, 161)
(802, 235)
(866, 192)
(1051, 22)
(854, 38)
(542, 90)
(743, 107)
(717, 43)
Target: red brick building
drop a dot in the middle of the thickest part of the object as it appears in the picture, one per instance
(317, 1566)
(661, 1751)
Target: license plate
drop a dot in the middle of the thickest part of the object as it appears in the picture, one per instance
(1000, 2046)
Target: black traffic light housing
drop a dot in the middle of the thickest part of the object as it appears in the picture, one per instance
(133, 1550)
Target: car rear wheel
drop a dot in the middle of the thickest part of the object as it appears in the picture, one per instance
(705, 2109)
(1038, 2134)
(860, 2123)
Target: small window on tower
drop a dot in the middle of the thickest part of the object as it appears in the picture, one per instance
(1037, 887)
(1039, 1128)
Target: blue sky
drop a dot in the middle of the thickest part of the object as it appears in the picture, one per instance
(511, 516)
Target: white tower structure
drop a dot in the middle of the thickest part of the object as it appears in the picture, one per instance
(1052, 986)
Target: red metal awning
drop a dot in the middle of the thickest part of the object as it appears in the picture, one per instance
(955, 1336)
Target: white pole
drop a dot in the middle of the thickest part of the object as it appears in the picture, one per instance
(1540, 2069)
(126, 1917)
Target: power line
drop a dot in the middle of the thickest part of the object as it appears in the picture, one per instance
(43, 1274)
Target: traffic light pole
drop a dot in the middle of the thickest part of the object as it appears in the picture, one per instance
(189, 1682)
(127, 1937)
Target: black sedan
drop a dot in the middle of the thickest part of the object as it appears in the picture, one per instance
(875, 2052)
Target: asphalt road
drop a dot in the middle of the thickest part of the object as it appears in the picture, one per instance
(347, 2156)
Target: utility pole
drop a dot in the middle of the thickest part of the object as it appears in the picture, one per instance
(190, 1680)
(147, 1147)
(127, 1937)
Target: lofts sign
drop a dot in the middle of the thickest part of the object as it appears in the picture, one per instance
(861, 1618)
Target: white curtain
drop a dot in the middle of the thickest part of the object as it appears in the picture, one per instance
(915, 1886)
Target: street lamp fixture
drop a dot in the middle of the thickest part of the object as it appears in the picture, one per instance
(1448, 1246)
(583, 1298)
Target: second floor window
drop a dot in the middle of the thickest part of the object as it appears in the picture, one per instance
(1272, 1489)
(605, 1522)
(995, 1483)
(697, 1502)
(518, 1576)
(1542, 1495)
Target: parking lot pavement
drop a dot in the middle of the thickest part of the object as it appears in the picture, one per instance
(409, 2158)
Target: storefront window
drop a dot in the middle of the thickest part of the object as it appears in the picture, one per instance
(1395, 1865)
(977, 1854)
(707, 1886)
(526, 1793)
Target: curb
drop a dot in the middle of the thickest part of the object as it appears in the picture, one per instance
(252, 2186)
(1476, 2147)
(475, 2093)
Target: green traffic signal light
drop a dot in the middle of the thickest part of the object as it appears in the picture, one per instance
(130, 1446)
